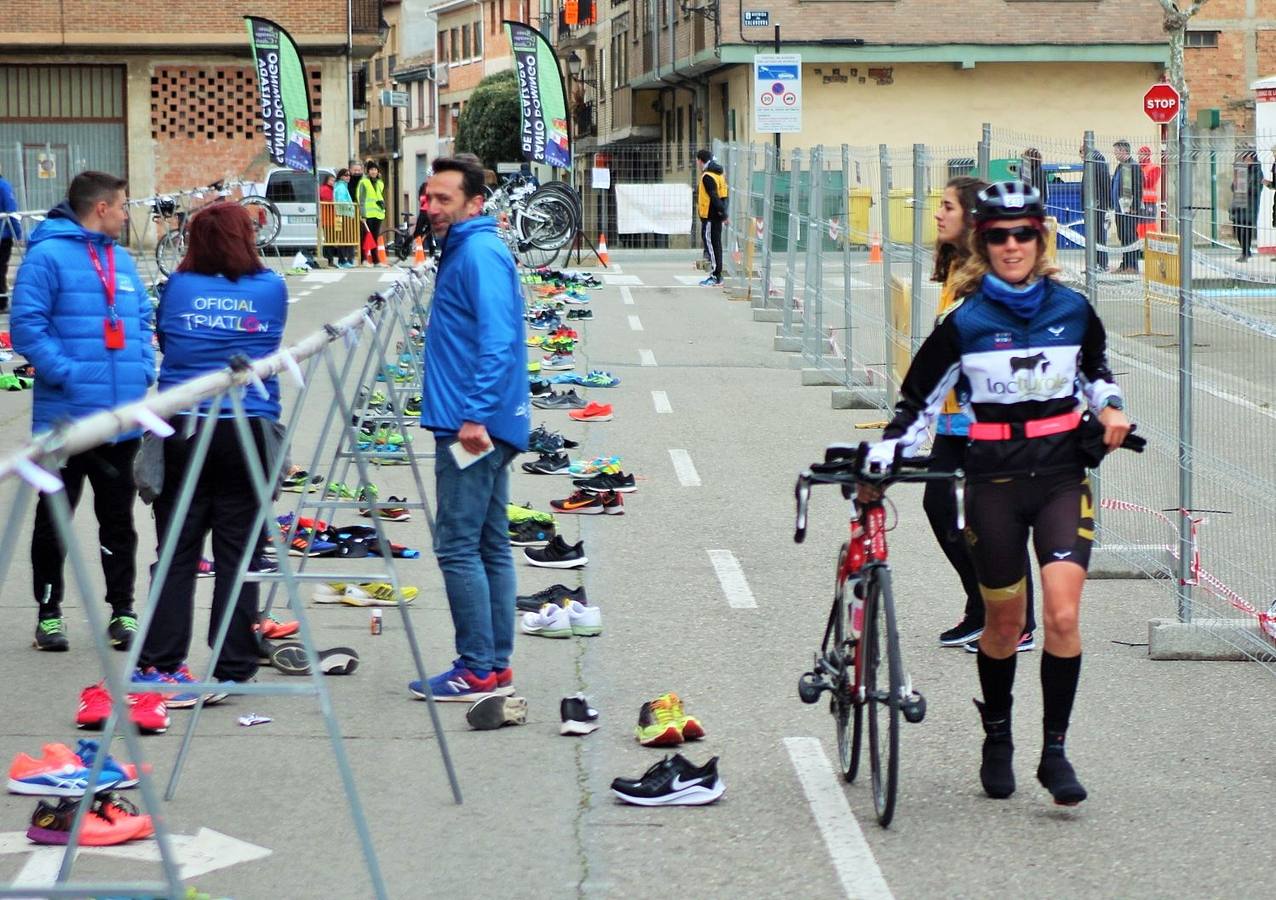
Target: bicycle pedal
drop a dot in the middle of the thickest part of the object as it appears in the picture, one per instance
(810, 686)
(913, 707)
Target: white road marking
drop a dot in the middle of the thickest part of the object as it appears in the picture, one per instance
(731, 577)
(635, 323)
(323, 277)
(661, 401)
(204, 852)
(611, 278)
(387, 277)
(646, 358)
(852, 859)
(690, 279)
(626, 296)
(685, 468)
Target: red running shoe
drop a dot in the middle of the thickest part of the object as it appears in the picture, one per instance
(273, 630)
(95, 707)
(593, 412)
(149, 713)
(504, 681)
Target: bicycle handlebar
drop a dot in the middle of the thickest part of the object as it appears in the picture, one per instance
(844, 465)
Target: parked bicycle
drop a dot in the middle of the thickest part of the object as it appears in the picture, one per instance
(862, 640)
(539, 221)
(171, 221)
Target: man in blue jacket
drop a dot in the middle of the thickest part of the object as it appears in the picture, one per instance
(476, 402)
(10, 233)
(82, 317)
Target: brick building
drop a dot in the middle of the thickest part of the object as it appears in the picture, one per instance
(162, 91)
(1230, 45)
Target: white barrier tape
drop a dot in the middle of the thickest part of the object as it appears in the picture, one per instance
(1079, 239)
(43, 481)
(153, 423)
(290, 363)
(258, 385)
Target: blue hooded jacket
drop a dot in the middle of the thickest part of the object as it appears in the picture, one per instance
(204, 320)
(475, 358)
(10, 227)
(58, 324)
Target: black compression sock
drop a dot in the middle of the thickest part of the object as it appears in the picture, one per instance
(1059, 676)
(997, 680)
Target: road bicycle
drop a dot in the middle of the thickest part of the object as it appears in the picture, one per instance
(859, 662)
(537, 221)
(169, 219)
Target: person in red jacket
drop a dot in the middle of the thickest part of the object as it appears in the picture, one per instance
(1151, 190)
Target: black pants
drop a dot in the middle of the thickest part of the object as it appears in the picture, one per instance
(1127, 233)
(1101, 236)
(6, 250)
(1243, 226)
(223, 502)
(947, 453)
(712, 233)
(109, 469)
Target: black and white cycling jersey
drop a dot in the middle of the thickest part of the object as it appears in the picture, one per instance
(1008, 369)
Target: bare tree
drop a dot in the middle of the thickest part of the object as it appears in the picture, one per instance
(1175, 25)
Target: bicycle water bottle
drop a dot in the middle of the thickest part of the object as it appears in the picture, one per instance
(855, 561)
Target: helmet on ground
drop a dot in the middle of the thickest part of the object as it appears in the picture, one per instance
(1009, 200)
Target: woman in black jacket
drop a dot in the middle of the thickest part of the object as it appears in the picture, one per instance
(1247, 187)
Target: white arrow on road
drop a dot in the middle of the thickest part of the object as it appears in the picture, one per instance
(206, 851)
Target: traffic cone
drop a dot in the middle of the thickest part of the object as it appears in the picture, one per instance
(418, 252)
(602, 249)
(875, 249)
(383, 258)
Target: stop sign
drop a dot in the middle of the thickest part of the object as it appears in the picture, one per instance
(1161, 103)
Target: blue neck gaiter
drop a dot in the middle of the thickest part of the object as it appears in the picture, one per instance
(1022, 301)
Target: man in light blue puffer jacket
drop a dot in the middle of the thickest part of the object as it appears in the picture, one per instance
(82, 317)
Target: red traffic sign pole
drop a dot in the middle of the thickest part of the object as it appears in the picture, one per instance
(1162, 103)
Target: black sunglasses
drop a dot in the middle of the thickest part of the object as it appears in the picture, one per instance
(1022, 234)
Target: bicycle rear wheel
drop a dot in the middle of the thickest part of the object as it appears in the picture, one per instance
(266, 220)
(882, 662)
(848, 715)
(169, 251)
(533, 256)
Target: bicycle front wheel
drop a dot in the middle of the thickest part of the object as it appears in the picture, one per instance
(266, 220)
(883, 679)
(848, 715)
(169, 251)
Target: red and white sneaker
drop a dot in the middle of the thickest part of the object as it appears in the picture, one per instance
(149, 713)
(95, 707)
(593, 412)
(504, 681)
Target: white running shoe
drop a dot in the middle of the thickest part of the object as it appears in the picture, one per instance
(586, 621)
(552, 621)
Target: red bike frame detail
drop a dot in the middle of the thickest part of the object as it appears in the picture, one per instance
(863, 547)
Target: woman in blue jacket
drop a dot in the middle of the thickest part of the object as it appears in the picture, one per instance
(220, 302)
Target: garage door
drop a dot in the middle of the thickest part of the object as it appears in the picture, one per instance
(56, 121)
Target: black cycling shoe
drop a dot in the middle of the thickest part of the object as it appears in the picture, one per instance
(995, 772)
(1058, 777)
(964, 632)
(50, 635)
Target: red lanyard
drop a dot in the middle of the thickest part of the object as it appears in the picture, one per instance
(108, 284)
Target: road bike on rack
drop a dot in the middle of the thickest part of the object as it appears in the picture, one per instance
(171, 246)
(859, 662)
(539, 221)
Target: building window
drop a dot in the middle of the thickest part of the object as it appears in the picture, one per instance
(465, 42)
(455, 34)
(477, 31)
(1200, 39)
(668, 139)
(394, 61)
(442, 51)
(378, 69)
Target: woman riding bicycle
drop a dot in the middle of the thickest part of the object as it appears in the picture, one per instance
(954, 221)
(1026, 356)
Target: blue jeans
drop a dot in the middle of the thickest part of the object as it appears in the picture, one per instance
(472, 545)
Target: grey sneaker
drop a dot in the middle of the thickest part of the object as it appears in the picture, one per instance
(564, 400)
(493, 711)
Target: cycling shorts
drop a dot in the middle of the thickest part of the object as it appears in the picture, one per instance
(1058, 512)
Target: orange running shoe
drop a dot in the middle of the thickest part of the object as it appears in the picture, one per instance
(593, 412)
(149, 713)
(95, 707)
(51, 824)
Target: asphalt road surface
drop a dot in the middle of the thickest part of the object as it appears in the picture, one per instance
(716, 425)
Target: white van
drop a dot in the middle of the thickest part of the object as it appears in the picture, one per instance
(296, 196)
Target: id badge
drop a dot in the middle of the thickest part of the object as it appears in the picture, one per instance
(113, 331)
